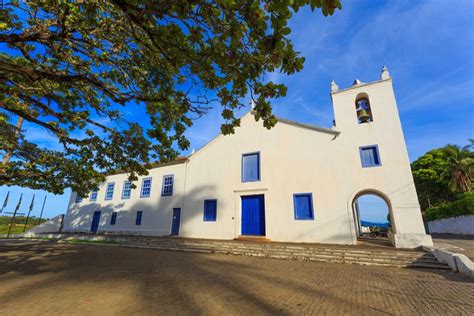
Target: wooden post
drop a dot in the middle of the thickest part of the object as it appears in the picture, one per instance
(29, 212)
(14, 214)
(41, 215)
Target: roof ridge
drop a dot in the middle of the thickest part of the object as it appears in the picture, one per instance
(309, 126)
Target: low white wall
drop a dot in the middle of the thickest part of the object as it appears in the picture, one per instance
(463, 225)
(456, 261)
(54, 225)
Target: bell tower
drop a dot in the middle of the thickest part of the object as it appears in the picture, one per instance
(373, 144)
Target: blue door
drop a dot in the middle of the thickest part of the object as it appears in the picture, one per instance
(253, 215)
(95, 222)
(175, 223)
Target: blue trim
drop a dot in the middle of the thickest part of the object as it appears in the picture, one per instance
(175, 221)
(138, 219)
(78, 198)
(209, 217)
(377, 153)
(107, 190)
(163, 185)
(310, 195)
(113, 219)
(253, 215)
(258, 166)
(123, 190)
(96, 192)
(141, 189)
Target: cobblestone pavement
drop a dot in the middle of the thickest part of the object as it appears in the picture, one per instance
(46, 278)
(456, 243)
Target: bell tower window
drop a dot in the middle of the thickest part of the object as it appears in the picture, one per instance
(363, 111)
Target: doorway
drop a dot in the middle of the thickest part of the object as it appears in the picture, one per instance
(372, 216)
(176, 221)
(253, 215)
(95, 222)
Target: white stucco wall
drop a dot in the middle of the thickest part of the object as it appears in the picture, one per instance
(463, 225)
(157, 209)
(50, 226)
(293, 159)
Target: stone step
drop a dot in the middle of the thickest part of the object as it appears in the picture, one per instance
(321, 258)
(277, 251)
(413, 255)
(276, 245)
(295, 255)
(308, 252)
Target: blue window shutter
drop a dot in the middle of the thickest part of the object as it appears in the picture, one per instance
(375, 155)
(303, 204)
(210, 210)
(369, 156)
(250, 167)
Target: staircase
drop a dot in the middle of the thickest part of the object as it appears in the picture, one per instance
(310, 252)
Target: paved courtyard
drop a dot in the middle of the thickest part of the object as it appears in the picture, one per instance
(456, 243)
(46, 278)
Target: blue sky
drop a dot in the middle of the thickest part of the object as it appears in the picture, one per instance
(428, 47)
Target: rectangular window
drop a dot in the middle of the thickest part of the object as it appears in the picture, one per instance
(138, 220)
(210, 210)
(93, 196)
(78, 198)
(167, 185)
(146, 187)
(303, 203)
(113, 219)
(251, 167)
(369, 156)
(109, 192)
(127, 190)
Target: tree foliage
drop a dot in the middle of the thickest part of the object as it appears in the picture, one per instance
(463, 206)
(83, 70)
(459, 168)
(442, 174)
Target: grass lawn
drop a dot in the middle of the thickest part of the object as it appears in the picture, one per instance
(18, 224)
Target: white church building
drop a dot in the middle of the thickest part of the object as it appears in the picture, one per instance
(293, 183)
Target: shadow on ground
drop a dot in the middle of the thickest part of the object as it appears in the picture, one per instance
(67, 278)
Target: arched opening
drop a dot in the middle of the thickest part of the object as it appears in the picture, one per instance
(363, 110)
(372, 215)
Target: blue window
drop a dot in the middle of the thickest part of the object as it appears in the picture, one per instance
(146, 187)
(78, 198)
(109, 193)
(210, 210)
(138, 220)
(251, 167)
(167, 185)
(127, 190)
(303, 206)
(113, 219)
(93, 196)
(369, 156)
